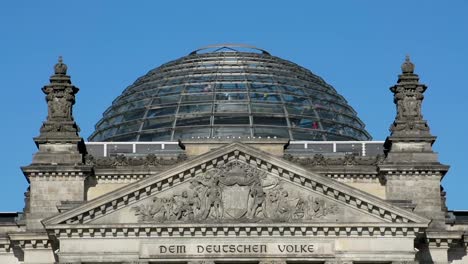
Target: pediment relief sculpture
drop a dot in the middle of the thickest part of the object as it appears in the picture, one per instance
(235, 191)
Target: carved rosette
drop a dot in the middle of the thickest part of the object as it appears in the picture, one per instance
(232, 192)
(60, 98)
(408, 97)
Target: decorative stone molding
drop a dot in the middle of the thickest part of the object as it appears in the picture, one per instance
(150, 160)
(443, 239)
(244, 229)
(31, 240)
(319, 160)
(5, 245)
(58, 175)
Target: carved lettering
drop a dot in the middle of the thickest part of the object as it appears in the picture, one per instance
(237, 249)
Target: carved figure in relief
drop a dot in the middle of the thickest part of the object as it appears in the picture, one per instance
(234, 191)
(257, 205)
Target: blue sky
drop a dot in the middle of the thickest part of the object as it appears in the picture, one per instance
(356, 46)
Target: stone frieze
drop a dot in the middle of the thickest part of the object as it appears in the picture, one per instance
(235, 191)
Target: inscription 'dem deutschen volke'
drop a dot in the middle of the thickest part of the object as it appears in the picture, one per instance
(238, 249)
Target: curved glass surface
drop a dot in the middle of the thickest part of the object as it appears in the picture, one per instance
(229, 94)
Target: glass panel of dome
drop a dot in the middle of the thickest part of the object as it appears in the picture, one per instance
(263, 88)
(265, 97)
(333, 137)
(294, 109)
(325, 114)
(271, 132)
(294, 99)
(312, 135)
(267, 108)
(108, 133)
(181, 133)
(198, 108)
(223, 107)
(269, 120)
(170, 110)
(258, 78)
(134, 115)
(126, 138)
(193, 120)
(333, 128)
(231, 96)
(139, 103)
(196, 88)
(294, 90)
(116, 119)
(232, 77)
(128, 127)
(231, 120)
(231, 86)
(174, 81)
(158, 122)
(231, 131)
(198, 97)
(169, 90)
(159, 135)
(166, 100)
(304, 122)
(201, 78)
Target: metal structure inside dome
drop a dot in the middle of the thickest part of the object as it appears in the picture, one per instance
(228, 47)
(229, 94)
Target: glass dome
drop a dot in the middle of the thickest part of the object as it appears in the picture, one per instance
(229, 91)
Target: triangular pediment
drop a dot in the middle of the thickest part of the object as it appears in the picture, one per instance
(236, 184)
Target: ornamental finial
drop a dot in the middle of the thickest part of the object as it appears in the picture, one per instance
(60, 67)
(407, 66)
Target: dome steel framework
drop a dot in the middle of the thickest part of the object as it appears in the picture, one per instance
(229, 91)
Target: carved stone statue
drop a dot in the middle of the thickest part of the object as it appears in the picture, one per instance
(60, 98)
(408, 97)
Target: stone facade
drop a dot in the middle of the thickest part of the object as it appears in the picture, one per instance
(235, 201)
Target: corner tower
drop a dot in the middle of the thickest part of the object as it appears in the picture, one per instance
(411, 168)
(57, 171)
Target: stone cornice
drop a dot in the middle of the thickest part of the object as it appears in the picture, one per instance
(29, 240)
(287, 171)
(236, 230)
(444, 239)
